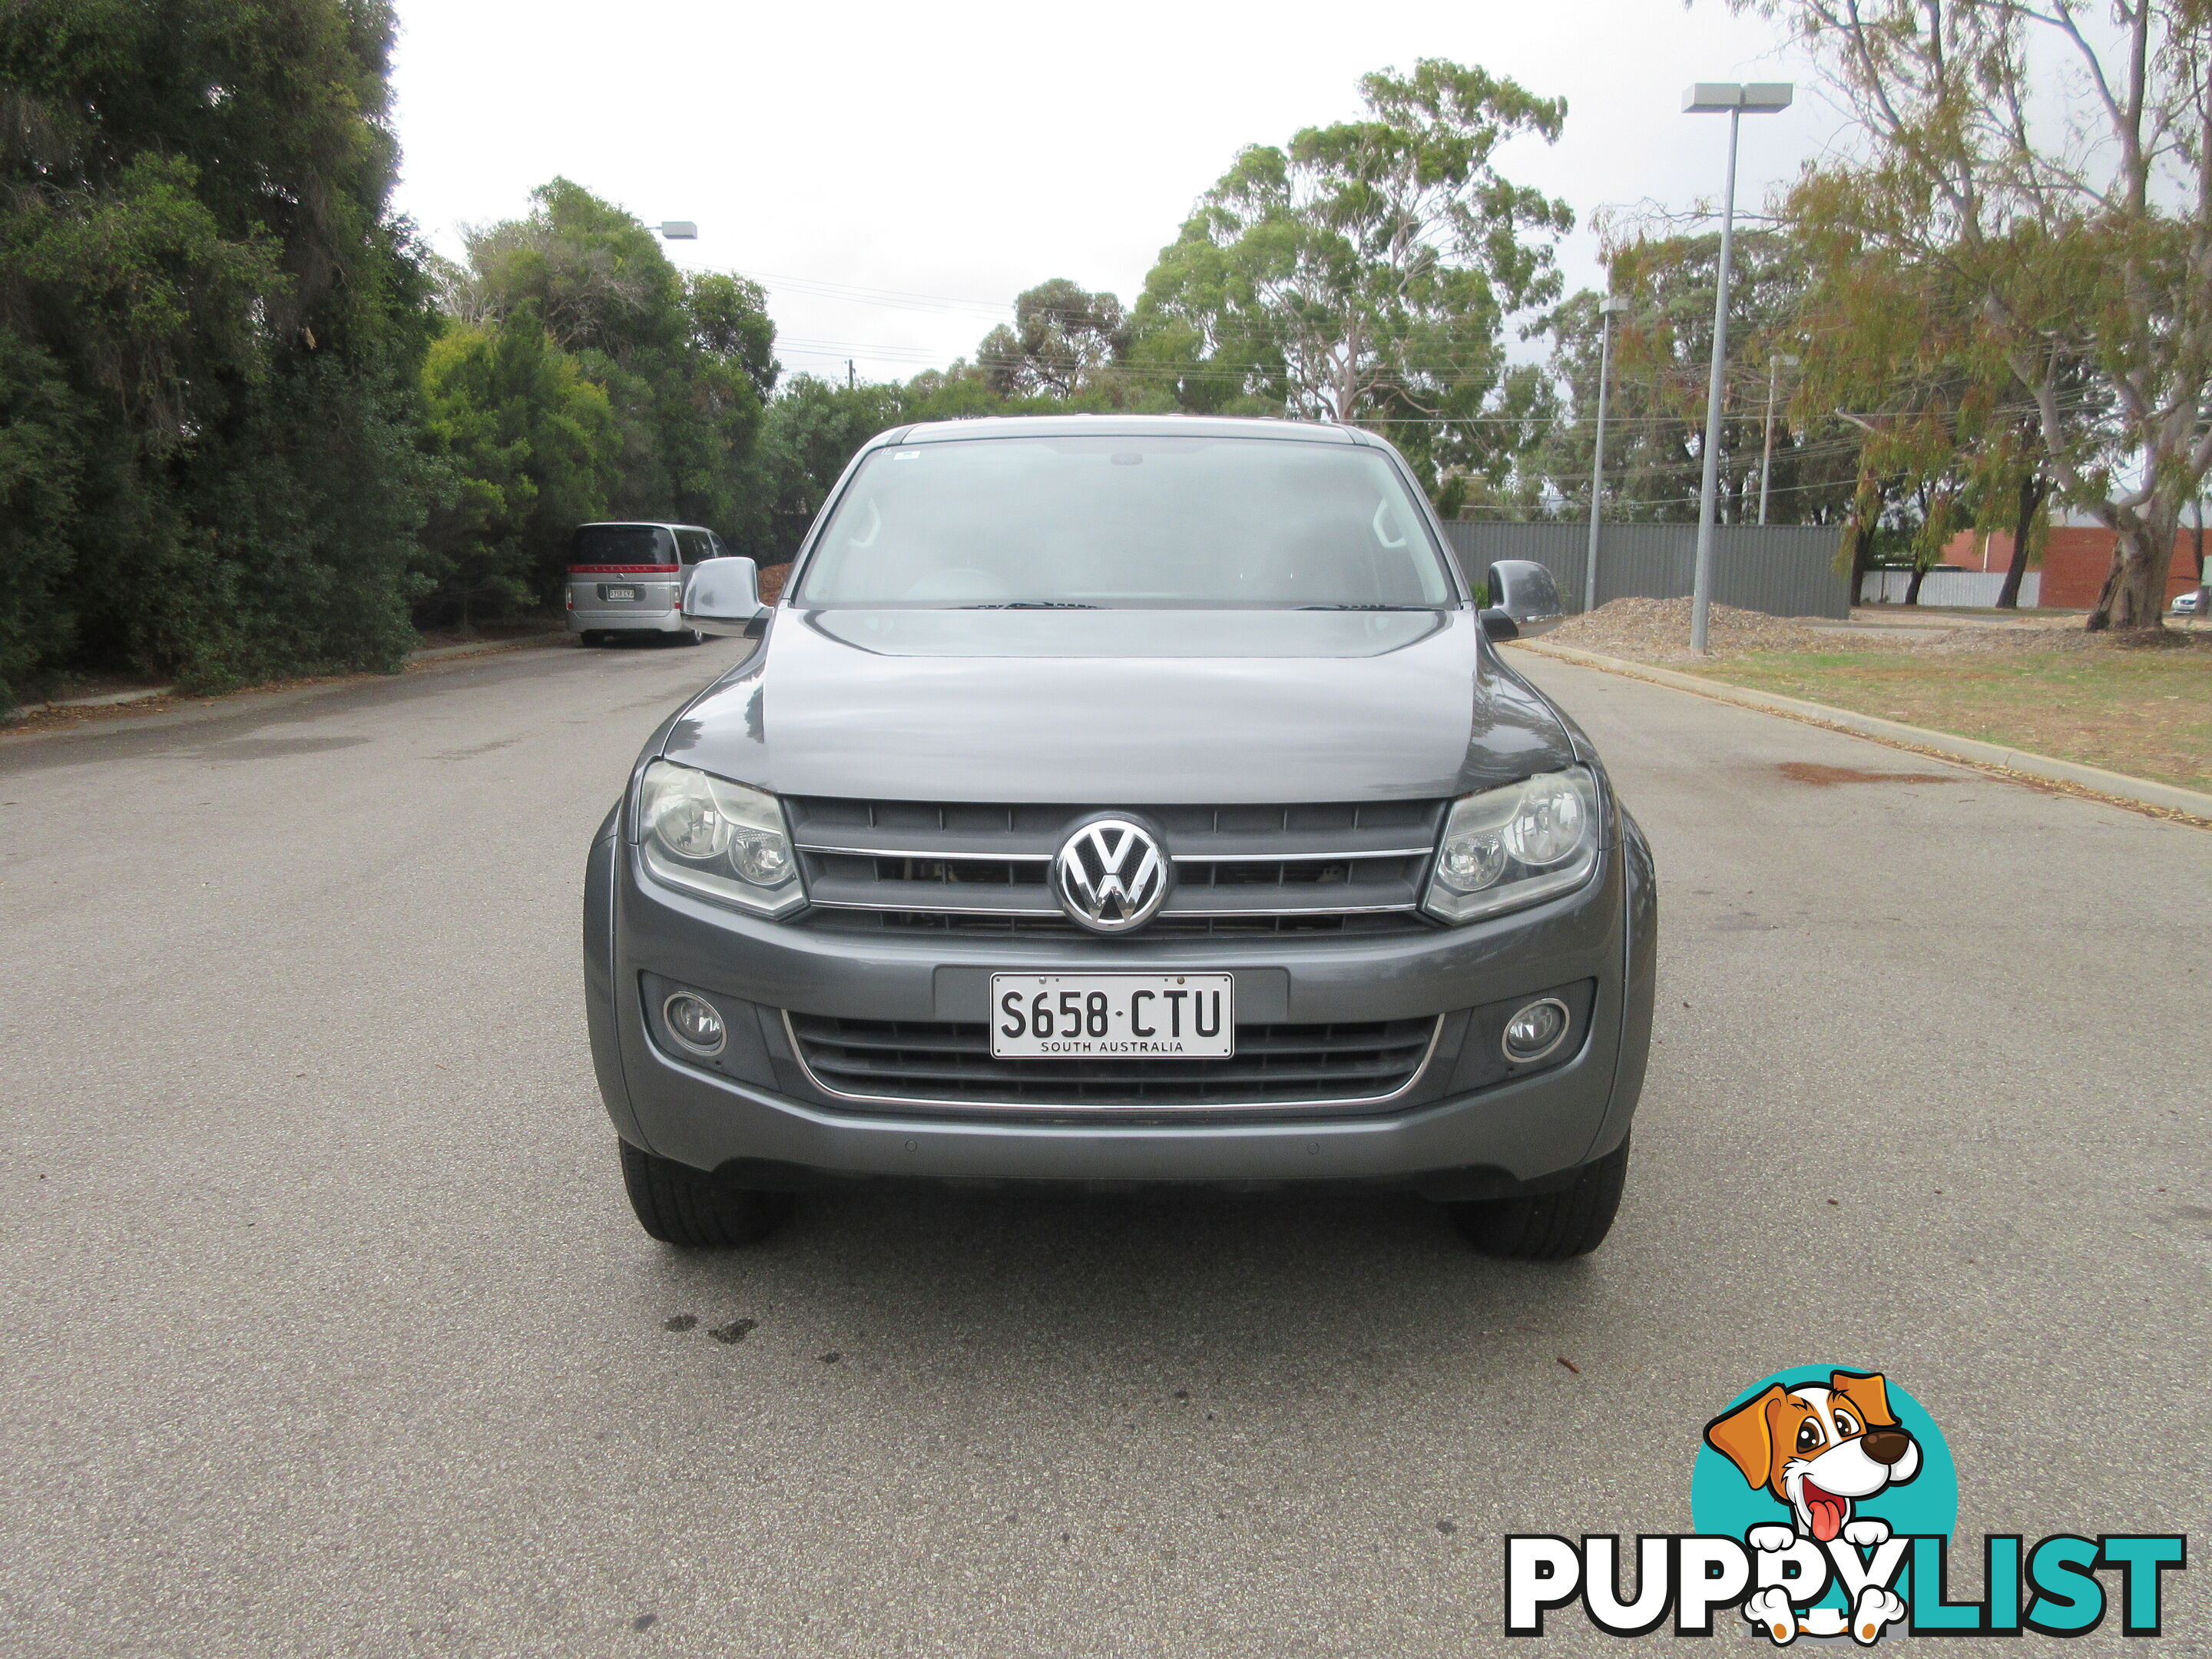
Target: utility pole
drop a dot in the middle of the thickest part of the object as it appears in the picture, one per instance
(852, 380)
(1733, 100)
(1613, 305)
(1766, 459)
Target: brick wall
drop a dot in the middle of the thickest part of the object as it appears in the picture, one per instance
(2074, 562)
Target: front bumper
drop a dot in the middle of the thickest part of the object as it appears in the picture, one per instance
(772, 1125)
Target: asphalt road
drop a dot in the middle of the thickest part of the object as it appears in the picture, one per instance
(325, 1327)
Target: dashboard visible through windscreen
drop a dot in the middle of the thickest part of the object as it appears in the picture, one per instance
(1126, 522)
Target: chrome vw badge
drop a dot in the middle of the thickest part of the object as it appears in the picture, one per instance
(1110, 876)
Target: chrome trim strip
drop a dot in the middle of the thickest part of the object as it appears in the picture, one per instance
(962, 856)
(998, 1107)
(966, 856)
(1300, 858)
(1164, 915)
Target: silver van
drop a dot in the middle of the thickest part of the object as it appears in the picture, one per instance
(630, 578)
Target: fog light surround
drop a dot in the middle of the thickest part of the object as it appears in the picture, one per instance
(1535, 1031)
(693, 1023)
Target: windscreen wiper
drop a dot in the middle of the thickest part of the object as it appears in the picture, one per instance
(1034, 604)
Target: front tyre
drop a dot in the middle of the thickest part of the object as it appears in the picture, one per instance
(1549, 1226)
(687, 1207)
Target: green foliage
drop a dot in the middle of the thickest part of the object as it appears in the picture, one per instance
(1949, 436)
(528, 447)
(42, 462)
(1062, 341)
(1366, 273)
(1662, 365)
(686, 365)
(2044, 180)
(812, 429)
(208, 331)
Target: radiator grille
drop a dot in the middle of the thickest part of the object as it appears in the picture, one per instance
(950, 1063)
(1238, 870)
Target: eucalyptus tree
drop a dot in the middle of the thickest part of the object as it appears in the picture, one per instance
(1661, 358)
(2051, 167)
(1366, 272)
(1062, 339)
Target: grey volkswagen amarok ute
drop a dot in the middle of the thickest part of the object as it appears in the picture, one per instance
(1113, 800)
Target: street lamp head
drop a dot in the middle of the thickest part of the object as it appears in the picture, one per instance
(1732, 97)
(678, 230)
(1614, 305)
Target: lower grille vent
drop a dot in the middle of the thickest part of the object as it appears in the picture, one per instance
(950, 1063)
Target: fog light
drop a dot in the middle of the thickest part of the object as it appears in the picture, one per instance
(695, 1024)
(1535, 1031)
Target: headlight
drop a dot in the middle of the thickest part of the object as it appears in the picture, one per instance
(1509, 848)
(725, 839)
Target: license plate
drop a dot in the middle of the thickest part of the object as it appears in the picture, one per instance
(1113, 1016)
(620, 592)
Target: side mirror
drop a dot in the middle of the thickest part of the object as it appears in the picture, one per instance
(1526, 592)
(1497, 626)
(723, 597)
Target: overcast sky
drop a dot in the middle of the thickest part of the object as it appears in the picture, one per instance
(894, 174)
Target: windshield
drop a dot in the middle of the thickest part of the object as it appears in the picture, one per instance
(1124, 523)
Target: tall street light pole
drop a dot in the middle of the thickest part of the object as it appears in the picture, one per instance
(1735, 100)
(1775, 365)
(1613, 305)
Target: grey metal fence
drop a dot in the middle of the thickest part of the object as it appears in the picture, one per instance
(1785, 570)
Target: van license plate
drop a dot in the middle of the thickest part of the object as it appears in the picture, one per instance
(1113, 1016)
(620, 593)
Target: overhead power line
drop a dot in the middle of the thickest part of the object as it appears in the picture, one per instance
(898, 299)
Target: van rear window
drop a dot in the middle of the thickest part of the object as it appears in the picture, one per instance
(622, 545)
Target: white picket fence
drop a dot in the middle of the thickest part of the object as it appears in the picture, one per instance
(1959, 587)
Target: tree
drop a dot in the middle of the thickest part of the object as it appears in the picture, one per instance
(2057, 167)
(42, 463)
(2029, 521)
(210, 330)
(1365, 273)
(1063, 338)
(1897, 342)
(813, 429)
(529, 448)
(687, 363)
(1662, 360)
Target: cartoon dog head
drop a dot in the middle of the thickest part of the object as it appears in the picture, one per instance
(1818, 1449)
